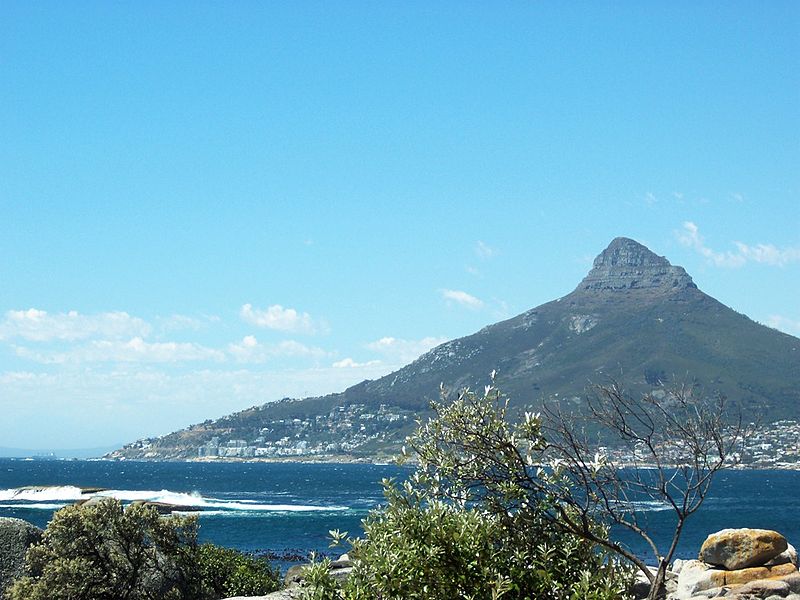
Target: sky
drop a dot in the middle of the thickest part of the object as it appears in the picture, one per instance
(205, 206)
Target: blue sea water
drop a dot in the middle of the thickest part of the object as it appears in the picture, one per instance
(288, 508)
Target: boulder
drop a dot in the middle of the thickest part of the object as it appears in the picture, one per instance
(339, 569)
(693, 578)
(764, 588)
(756, 573)
(794, 582)
(696, 577)
(165, 508)
(787, 556)
(16, 536)
(677, 565)
(640, 587)
(735, 549)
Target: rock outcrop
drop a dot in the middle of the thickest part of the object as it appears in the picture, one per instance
(742, 548)
(16, 536)
(628, 265)
(741, 564)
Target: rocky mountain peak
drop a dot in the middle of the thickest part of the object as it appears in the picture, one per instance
(628, 265)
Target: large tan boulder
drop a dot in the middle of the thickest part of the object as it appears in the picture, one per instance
(735, 549)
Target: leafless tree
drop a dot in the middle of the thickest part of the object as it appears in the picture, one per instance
(667, 447)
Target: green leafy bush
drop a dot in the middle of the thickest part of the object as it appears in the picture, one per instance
(416, 548)
(467, 525)
(228, 572)
(103, 551)
(318, 583)
(422, 547)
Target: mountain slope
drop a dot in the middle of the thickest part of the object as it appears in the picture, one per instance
(634, 317)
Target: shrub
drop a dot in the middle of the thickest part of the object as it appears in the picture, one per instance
(467, 525)
(318, 583)
(422, 547)
(227, 572)
(105, 552)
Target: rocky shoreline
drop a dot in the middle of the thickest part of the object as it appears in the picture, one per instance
(738, 564)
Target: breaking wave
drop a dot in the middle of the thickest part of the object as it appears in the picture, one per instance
(50, 498)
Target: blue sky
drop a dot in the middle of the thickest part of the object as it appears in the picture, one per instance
(206, 206)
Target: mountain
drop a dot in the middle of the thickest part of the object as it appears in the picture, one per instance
(635, 318)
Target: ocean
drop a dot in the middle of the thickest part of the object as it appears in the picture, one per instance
(287, 509)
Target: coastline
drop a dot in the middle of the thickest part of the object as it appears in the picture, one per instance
(346, 459)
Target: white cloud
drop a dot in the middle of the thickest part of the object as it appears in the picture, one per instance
(690, 237)
(402, 352)
(760, 253)
(40, 326)
(279, 318)
(131, 400)
(784, 324)
(294, 348)
(349, 363)
(768, 254)
(462, 298)
(484, 250)
(134, 350)
(250, 350)
(650, 198)
(184, 322)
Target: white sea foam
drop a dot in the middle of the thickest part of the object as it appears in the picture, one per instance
(41, 497)
(42, 494)
(38, 506)
(650, 505)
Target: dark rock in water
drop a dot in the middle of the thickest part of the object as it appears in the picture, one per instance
(166, 508)
(287, 555)
(93, 501)
(93, 490)
(16, 536)
(163, 508)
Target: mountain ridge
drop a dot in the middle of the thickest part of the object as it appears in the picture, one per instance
(634, 317)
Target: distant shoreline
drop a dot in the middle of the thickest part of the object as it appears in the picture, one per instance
(382, 462)
(339, 460)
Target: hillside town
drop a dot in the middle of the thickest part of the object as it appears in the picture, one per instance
(352, 429)
(353, 432)
(772, 446)
(345, 430)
